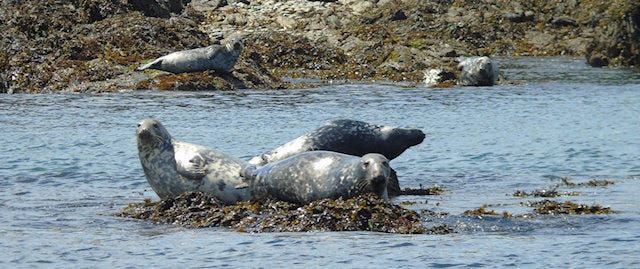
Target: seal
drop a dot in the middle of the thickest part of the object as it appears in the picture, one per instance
(349, 137)
(215, 57)
(353, 138)
(173, 167)
(477, 71)
(315, 175)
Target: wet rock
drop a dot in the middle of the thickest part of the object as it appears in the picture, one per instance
(563, 21)
(519, 16)
(361, 213)
(617, 39)
(568, 207)
(158, 8)
(433, 190)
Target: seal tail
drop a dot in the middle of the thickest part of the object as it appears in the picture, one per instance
(151, 65)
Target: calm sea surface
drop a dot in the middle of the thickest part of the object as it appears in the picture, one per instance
(70, 161)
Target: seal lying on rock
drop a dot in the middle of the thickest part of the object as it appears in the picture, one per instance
(478, 71)
(353, 138)
(349, 137)
(315, 175)
(173, 167)
(215, 57)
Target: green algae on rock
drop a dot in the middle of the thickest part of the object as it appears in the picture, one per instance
(361, 213)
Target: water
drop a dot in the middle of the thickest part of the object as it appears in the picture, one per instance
(70, 162)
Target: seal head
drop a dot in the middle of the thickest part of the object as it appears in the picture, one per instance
(173, 167)
(315, 175)
(478, 71)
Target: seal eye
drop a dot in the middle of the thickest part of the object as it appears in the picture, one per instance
(155, 125)
(386, 164)
(365, 164)
(139, 125)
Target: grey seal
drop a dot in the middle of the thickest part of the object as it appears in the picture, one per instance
(173, 167)
(353, 138)
(315, 175)
(350, 137)
(477, 71)
(220, 58)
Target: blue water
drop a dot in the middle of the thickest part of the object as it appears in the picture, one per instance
(69, 162)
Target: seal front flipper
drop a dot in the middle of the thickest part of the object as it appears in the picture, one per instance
(194, 168)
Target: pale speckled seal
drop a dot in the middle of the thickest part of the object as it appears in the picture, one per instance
(220, 58)
(173, 167)
(353, 138)
(477, 71)
(315, 175)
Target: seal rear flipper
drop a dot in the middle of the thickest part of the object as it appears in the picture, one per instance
(248, 172)
(152, 65)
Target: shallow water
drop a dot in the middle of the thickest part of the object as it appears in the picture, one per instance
(70, 162)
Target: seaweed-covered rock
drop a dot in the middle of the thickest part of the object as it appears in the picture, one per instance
(617, 39)
(94, 45)
(361, 213)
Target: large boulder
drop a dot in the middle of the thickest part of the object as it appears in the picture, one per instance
(617, 39)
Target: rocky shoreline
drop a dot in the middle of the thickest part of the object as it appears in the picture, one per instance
(96, 45)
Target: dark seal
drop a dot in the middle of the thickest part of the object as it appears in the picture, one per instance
(220, 58)
(315, 175)
(173, 167)
(353, 138)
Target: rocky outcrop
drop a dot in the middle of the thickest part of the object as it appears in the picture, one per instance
(617, 39)
(95, 45)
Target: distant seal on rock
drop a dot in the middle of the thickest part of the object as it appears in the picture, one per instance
(353, 138)
(478, 71)
(220, 58)
(315, 175)
(173, 167)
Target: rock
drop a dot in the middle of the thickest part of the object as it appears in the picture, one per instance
(563, 21)
(519, 16)
(398, 15)
(158, 8)
(617, 39)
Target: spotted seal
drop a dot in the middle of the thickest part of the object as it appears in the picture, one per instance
(477, 71)
(350, 137)
(220, 58)
(353, 138)
(173, 167)
(315, 175)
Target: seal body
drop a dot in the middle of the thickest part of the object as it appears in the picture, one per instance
(220, 58)
(478, 71)
(349, 137)
(315, 175)
(173, 167)
(353, 138)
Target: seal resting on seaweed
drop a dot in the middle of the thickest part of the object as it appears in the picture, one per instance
(220, 58)
(316, 175)
(353, 138)
(477, 71)
(173, 167)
